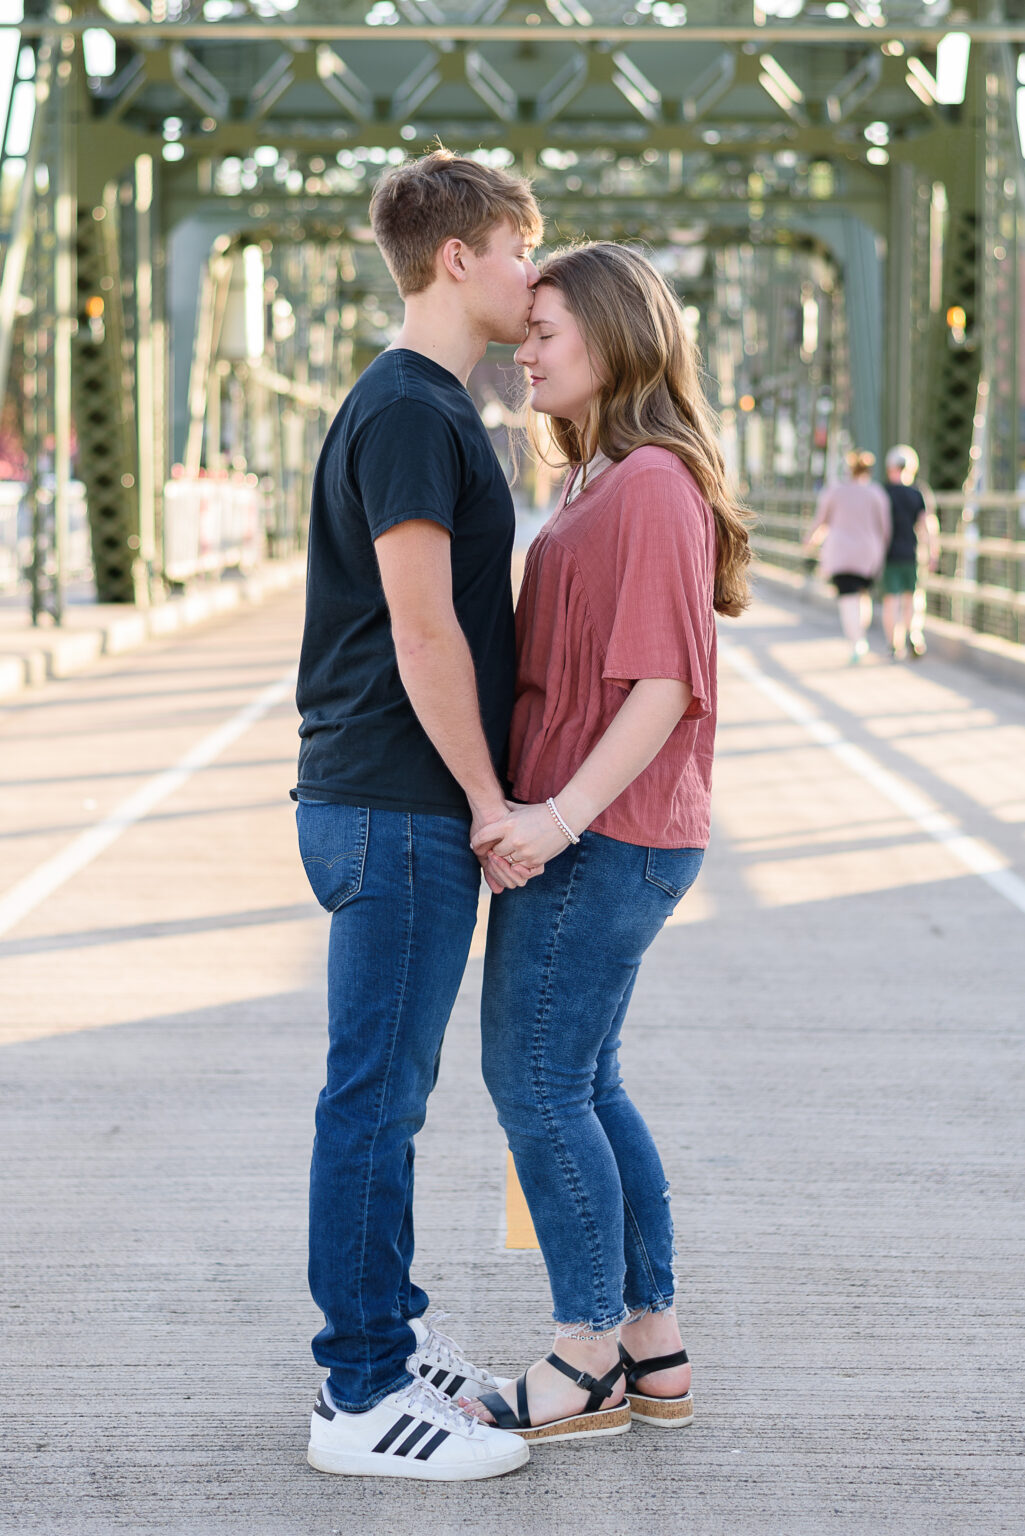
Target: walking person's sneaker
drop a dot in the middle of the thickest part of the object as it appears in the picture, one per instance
(415, 1432)
(439, 1360)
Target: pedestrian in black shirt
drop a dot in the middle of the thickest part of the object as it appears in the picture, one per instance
(406, 689)
(912, 517)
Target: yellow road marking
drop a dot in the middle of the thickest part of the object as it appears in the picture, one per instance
(519, 1229)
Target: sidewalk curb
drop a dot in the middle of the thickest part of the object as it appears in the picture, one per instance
(998, 659)
(61, 653)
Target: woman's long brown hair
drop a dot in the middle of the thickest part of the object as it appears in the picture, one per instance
(649, 390)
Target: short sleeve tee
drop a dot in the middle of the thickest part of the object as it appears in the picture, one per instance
(618, 586)
(906, 506)
(408, 443)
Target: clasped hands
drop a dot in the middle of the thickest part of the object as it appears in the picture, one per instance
(515, 847)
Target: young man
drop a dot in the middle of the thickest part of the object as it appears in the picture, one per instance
(405, 689)
(913, 516)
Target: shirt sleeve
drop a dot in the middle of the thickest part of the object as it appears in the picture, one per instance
(663, 624)
(406, 464)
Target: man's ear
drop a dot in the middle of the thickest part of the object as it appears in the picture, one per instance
(452, 257)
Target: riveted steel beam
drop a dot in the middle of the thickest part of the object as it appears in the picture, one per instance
(105, 401)
(827, 34)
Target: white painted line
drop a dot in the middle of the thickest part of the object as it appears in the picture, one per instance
(976, 856)
(36, 887)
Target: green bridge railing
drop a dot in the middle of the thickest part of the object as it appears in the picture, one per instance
(980, 582)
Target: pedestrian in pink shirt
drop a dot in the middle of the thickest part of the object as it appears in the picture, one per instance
(610, 760)
(853, 525)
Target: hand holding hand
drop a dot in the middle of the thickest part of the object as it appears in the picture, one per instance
(500, 874)
(527, 835)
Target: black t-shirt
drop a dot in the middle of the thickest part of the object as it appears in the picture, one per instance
(906, 506)
(407, 443)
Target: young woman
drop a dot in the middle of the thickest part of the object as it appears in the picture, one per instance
(611, 756)
(852, 523)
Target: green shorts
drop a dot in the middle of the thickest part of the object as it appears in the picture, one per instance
(899, 576)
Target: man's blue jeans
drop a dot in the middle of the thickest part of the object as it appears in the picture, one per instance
(402, 890)
(562, 958)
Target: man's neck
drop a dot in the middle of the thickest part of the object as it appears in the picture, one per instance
(439, 331)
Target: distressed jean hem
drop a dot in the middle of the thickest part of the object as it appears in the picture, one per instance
(372, 1401)
(600, 1325)
(661, 1304)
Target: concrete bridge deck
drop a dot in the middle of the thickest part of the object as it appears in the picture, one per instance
(828, 1043)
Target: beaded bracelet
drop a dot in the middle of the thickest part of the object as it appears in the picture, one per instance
(560, 823)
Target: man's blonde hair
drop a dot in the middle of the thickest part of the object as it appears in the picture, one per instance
(419, 205)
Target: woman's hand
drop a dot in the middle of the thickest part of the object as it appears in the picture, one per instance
(499, 874)
(527, 836)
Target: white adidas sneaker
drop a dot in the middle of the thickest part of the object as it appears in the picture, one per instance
(439, 1360)
(415, 1432)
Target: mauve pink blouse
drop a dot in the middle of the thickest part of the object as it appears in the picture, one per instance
(618, 586)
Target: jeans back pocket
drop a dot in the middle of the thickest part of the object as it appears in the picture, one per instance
(673, 870)
(333, 846)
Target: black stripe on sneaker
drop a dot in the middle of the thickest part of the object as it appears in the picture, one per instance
(393, 1434)
(413, 1438)
(438, 1378)
(425, 1370)
(432, 1445)
(454, 1385)
(321, 1407)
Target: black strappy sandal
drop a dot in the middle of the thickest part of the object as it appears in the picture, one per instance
(665, 1412)
(594, 1420)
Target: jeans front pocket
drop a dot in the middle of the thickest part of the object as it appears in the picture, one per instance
(333, 846)
(673, 870)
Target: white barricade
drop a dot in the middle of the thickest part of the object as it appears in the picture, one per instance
(16, 534)
(211, 525)
(11, 493)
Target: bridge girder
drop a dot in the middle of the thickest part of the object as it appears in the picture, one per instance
(713, 131)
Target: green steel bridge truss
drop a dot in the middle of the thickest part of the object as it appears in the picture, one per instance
(842, 228)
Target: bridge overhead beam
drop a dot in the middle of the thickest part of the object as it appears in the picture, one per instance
(314, 28)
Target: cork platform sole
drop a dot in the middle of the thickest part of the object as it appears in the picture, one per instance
(582, 1426)
(663, 1412)
(594, 1421)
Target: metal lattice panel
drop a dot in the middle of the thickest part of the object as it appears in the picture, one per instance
(104, 396)
(518, 76)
